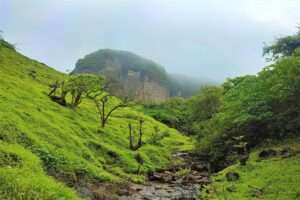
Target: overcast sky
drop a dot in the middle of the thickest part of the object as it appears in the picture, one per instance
(214, 39)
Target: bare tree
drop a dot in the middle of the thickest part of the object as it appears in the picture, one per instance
(131, 136)
(105, 107)
(53, 87)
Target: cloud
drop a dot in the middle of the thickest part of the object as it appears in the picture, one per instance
(214, 39)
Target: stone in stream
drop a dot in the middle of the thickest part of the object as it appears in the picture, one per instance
(171, 183)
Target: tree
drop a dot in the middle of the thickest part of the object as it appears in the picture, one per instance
(131, 137)
(106, 104)
(59, 98)
(206, 103)
(83, 85)
(284, 46)
(78, 86)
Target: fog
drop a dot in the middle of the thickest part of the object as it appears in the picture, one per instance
(212, 39)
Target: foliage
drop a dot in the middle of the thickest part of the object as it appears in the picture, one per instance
(22, 177)
(118, 66)
(99, 60)
(174, 112)
(68, 144)
(284, 46)
(206, 103)
(106, 105)
(274, 178)
(5, 44)
(258, 107)
(139, 144)
(82, 86)
(78, 87)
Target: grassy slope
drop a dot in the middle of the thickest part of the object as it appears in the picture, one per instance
(275, 178)
(39, 137)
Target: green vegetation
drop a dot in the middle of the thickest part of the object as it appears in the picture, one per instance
(46, 149)
(261, 109)
(277, 177)
(79, 87)
(118, 66)
(22, 177)
(173, 112)
(255, 107)
(4, 44)
(102, 59)
(284, 46)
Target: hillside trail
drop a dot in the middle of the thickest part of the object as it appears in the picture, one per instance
(178, 182)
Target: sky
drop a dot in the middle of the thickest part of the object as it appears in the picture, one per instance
(211, 39)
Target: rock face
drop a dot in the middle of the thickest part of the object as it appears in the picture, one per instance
(128, 74)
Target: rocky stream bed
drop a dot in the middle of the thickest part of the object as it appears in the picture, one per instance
(179, 182)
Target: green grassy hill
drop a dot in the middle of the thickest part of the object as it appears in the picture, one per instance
(275, 177)
(47, 150)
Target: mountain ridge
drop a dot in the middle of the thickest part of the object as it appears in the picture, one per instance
(136, 76)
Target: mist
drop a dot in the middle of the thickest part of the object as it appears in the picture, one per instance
(208, 40)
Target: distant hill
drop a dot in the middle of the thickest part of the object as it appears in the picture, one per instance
(134, 76)
(186, 86)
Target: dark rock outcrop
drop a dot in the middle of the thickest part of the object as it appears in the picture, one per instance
(264, 154)
(232, 176)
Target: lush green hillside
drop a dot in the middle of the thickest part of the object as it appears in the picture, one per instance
(46, 149)
(275, 177)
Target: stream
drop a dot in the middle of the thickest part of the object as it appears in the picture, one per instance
(180, 182)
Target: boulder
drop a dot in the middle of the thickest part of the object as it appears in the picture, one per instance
(287, 152)
(232, 176)
(267, 153)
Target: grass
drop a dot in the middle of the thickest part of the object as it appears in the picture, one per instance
(267, 179)
(45, 149)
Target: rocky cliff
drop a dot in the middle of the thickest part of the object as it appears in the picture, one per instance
(128, 74)
(137, 77)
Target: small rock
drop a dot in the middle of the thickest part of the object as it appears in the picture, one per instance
(232, 176)
(123, 192)
(267, 153)
(155, 177)
(167, 178)
(231, 189)
(200, 167)
(287, 152)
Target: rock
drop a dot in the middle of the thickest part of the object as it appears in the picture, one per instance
(204, 174)
(204, 180)
(138, 189)
(154, 176)
(287, 152)
(231, 189)
(267, 153)
(244, 159)
(232, 176)
(157, 187)
(200, 166)
(167, 178)
(123, 192)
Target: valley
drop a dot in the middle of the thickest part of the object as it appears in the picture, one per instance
(74, 136)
